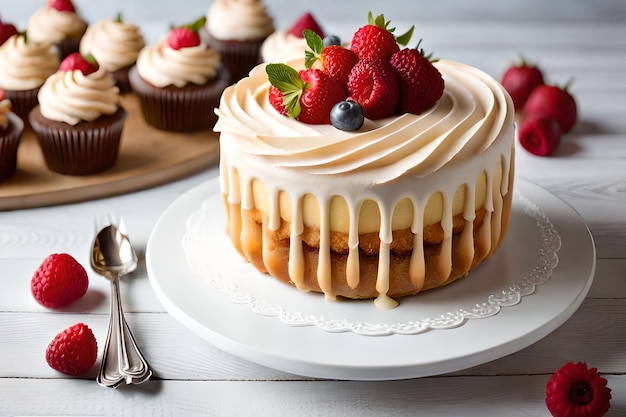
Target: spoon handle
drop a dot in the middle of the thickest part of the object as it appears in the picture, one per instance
(122, 359)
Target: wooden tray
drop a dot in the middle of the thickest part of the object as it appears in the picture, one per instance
(148, 157)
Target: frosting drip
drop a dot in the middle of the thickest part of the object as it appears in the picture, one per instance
(5, 108)
(243, 20)
(71, 97)
(51, 25)
(282, 46)
(26, 65)
(161, 65)
(114, 45)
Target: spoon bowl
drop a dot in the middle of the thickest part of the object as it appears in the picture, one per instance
(112, 254)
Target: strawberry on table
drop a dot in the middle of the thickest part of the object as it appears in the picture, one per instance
(540, 135)
(6, 31)
(58, 281)
(520, 80)
(421, 84)
(334, 60)
(186, 36)
(376, 40)
(75, 61)
(307, 95)
(374, 85)
(62, 5)
(553, 102)
(73, 351)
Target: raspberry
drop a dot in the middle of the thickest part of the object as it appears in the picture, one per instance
(58, 281)
(73, 351)
(374, 85)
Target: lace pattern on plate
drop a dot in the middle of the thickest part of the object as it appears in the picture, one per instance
(198, 234)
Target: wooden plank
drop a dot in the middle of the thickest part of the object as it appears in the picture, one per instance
(148, 157)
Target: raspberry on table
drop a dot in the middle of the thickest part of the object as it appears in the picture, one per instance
(59, 280)
(73, 351)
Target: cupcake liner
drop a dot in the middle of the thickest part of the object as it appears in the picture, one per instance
(9, 141)
(22, 102)
(68, 46)
(238, 56)
(121, 79)
(181, 109)
(84, 149)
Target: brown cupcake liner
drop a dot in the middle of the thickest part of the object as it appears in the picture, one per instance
(121, 79)
(68, 46)
(183, 109)
(9, 141)
(238, 56)
(84, 149)
(22, 102)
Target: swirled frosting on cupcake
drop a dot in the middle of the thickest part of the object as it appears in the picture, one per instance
(115, 45)
(469, 118)
(51, 25)
(5, 108)
(282, 46)
(26, 65)
(243, 20)
(71, 97)
(162, 66)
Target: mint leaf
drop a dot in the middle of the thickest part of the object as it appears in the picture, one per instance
(287, 80)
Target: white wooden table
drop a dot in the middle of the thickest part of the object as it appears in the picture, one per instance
(583, 40)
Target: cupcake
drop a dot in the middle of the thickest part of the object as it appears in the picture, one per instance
(11, 128)
(78, 121)
(24, 66)
(286, 45)
(179, 81)
(115, 45)
(237, 29)
(59, 23)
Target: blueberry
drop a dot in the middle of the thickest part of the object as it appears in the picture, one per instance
(332, 40)
(347, 115)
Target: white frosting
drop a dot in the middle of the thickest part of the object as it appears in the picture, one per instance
(282, 46)
(161, 65)
(243, 20)
(71, 97)
(50, 25)
(26, 65)
(114, 45)
(466, 136)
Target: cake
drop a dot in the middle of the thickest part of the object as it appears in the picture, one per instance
(287, 45)
(179, 81)
(115, 45)
(24, 66)
(11, 128)
(59, 23)
(79, 121)
(237, 29)
(403, 204)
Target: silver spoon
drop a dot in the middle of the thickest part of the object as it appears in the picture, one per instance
(113, 256)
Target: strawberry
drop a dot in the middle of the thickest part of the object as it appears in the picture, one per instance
(421, 84)
(307, 21)
(376, 40)
(6, 31)
(553, 102)
(186, 36)
(307, 95)
(374, 85)
(334, 60)
(520, 80)
(540, 135)
(75, 61)
(62, 5)
(58, 281)
(73, 351)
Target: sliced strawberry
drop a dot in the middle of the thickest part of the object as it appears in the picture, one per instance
(376, 40)
(306, 21)
(421, 84)
(307, 95)
(374, 85)
(186, 36)
(62, 5)
(75, 61)
(334, 60)
(540, 135)
(6, 31)
(553, 102)
(520, 80)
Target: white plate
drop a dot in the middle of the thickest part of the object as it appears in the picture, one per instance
(532, 285)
